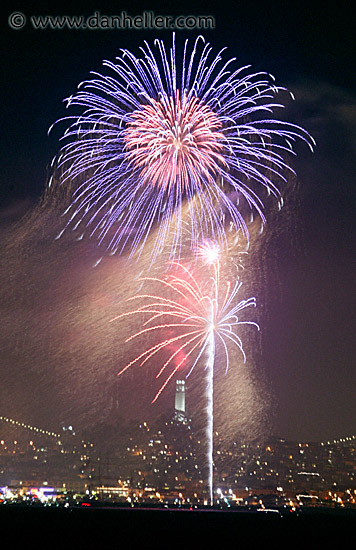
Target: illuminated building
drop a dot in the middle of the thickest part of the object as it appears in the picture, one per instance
(179, 403)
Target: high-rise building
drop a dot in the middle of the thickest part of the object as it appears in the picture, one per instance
(179, 403)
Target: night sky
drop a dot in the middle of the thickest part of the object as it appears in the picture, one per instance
(307, 355)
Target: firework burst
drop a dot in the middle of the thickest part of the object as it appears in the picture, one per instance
(191, 321)
(195, 313)
(166, 128)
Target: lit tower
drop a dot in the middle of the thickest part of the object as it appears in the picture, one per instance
(179, 403)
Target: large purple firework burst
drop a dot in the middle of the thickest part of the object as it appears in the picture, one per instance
(167, 130)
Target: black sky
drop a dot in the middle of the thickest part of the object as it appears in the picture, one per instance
(309, 343)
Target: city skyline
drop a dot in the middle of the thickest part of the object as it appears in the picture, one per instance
(163, 465)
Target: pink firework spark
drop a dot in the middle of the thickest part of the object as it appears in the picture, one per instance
(196, 313)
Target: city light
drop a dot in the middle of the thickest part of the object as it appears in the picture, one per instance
(267, 477)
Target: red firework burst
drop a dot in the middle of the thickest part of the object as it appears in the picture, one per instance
(175, 141)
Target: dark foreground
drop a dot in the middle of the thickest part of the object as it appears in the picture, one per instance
(146, 528)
